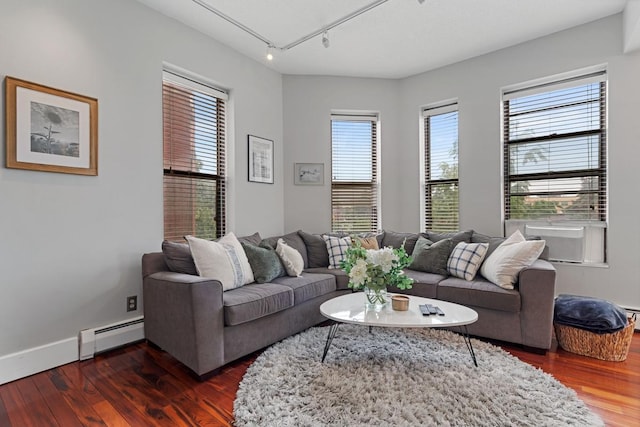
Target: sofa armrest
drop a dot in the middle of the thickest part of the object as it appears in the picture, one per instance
(183, 315)
(537, 286)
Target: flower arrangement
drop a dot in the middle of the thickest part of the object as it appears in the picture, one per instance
(375, 269)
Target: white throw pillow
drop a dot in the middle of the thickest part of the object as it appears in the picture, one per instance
(465, 259)
(505, 263)
(291, 258)
(217, 261)
(232, 240)
(336, 248)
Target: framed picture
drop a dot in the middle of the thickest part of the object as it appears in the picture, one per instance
(308, 173)
(50, 129)
(260, 160)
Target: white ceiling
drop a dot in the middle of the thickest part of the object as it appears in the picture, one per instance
(396, 39)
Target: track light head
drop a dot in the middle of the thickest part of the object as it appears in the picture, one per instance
(420, 1)
(325, 39)
(269, 53)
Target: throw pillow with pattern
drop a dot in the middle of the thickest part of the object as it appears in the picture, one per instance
(465, 260)
(336, 248)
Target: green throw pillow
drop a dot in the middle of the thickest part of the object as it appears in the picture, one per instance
(431, 257)
(264, 262)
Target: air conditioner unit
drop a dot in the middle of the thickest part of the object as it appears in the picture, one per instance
(565, 243)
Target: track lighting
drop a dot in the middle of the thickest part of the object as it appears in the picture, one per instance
(269, 54)
(420, 1)
(325, 39)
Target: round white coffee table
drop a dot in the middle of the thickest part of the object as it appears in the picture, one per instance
(351, 308)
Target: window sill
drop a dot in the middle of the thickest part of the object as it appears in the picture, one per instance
(581, 264)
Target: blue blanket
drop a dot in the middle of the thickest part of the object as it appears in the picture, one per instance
(592, 314)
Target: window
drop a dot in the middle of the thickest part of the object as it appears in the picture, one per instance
(555, 162)
(354, 166)
(193, 158)
(441, 168)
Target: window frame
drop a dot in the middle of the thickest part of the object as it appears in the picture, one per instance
(426, 214)
(594, 228)
(372, 188)
(181, 87)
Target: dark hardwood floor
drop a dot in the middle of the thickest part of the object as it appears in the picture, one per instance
(140, 385)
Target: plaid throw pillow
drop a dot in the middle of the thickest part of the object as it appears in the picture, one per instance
(336, 247)
(465, 259)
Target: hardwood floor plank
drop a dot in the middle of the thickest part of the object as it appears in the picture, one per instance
(58, 405)
(143, 386)
(35, 404)
(79, 394)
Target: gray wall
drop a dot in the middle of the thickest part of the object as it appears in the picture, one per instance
(71, 245)
(477, 84)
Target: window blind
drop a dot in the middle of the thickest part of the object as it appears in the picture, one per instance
(441, 208)
(354, 183)
(193, 159)
(555, 150)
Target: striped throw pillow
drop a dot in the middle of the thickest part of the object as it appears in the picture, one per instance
(465, 260)
(337, 248)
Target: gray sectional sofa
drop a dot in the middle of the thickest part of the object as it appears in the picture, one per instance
(205, 328)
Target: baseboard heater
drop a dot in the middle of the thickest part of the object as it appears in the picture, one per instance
(97, 340)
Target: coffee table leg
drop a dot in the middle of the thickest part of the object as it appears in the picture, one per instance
(332, 333)
(467, 341)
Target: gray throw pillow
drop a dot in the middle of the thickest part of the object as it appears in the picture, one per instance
(254, 239)
(456, 236)
(264, 261)
(432, 257)
(317, 253)
(395, 239)
(178, 257)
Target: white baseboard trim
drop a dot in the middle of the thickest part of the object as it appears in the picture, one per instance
(33, 360)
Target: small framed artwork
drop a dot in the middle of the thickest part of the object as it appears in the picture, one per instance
(260, 160)
(308, 174)
(50, 130)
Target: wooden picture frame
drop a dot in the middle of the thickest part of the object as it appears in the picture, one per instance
(260, 157)
(49, 129)
(308, 173)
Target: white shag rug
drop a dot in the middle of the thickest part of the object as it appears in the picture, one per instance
(400, 377)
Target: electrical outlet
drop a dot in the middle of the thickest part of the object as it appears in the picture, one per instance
(132, 303)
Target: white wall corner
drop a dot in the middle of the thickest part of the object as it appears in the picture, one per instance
(631, 26)
(31, 361)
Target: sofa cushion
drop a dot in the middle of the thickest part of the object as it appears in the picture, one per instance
(178, 257)
(254, 301)
(291, 258)
(264, 262)
(253, 239)
(395, 240)
(456, 236)
(431, 257)
(424, 284)
(219, 261)
(308, 286)
(316, 250)
(342, 280)
(478, 293)
(506, 262)
(292, 239)
(465, 260)
(336, 249)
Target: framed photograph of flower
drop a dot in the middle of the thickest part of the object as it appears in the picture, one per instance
(49, 129)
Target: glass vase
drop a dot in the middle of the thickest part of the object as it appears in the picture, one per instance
(375, 298)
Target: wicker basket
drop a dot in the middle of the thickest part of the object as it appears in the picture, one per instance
(612, 347)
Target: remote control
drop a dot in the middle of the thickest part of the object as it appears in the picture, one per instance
(440, 312)
(424, 309)
(432, 309)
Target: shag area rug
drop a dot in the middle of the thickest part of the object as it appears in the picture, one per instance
(400, 377)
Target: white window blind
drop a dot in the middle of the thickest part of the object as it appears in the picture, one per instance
(354, 165)
(441, 208)
(193, 158)
(555, 150)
